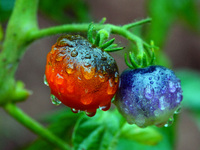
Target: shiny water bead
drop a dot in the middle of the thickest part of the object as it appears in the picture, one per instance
(55, 100)
(45, 81)
(85, 78)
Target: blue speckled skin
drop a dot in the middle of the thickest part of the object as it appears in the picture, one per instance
(148, 96)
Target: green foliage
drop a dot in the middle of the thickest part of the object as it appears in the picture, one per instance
(65, 11)
(99, 132)
(6, 7)
(61, 124)
(190, 82)
(165, 12)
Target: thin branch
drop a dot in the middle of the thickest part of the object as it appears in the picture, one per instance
(34, 126)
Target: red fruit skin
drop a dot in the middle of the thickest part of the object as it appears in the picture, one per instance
(82, 76)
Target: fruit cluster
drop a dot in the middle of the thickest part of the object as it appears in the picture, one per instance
(84, 77)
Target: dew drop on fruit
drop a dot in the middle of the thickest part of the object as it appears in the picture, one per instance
(59, 57)
(149, 92)
(54, 100)
(88, 72)
(172, 87)
(45, 81)
(116, 77)
(74, 53)
(162, 102)
(75, 110)
(103, 58)
(87, 64)
(70, 68)
(169, 122)
(105, 108)
(179, 97)
(87, 56)
(111, 87)
(178, 110)
(59, 79)
(157, 78)
(86, 99)
(90, 114)
(102, 78)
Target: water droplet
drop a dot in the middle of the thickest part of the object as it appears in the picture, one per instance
(111, 87)
(88, 72)
(60, 57)
(140, 120)
(149, 92)
(116, 77)
(102, 78)
(74, 53)
(157, 78)
(105, 108)
(87, 56)
(79, 79)
(45, 81)
(70, 69)
(59, 79)
(157, 112)
(55, 100)
(150, 78)
(162, 103)
(87, 64)
(164, 89)
(169, 122)
(103, 58)
(86, 99)
(172, 87)
(70, 84)
(63, 41)
(178, 110)
(151, 82)
(90, 114)
(75, 110)
(179, 97)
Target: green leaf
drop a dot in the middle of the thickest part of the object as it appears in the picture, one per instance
(190, 82)
(61, 124)
(147, 136)
(100, 132)
(164, 144)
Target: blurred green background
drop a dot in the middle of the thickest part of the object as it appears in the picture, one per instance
(175, 29)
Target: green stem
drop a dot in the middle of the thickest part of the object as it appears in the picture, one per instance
(128, 26)
(37, 34)
(34, 126)
(22, 21)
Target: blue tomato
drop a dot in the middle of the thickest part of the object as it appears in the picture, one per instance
(148, 96)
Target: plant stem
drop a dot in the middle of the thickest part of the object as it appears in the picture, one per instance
(128, 26)
(34, 126)
(37, 34)
(22, 21)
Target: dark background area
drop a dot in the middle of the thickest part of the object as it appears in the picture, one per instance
(182, 47)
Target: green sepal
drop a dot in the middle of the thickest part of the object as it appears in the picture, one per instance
(114, 49)
(126, 61)
(133, 61)
(90, 32)
(107, 44)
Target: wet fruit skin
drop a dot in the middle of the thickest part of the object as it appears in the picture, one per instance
(148, 96)
(80, 75)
